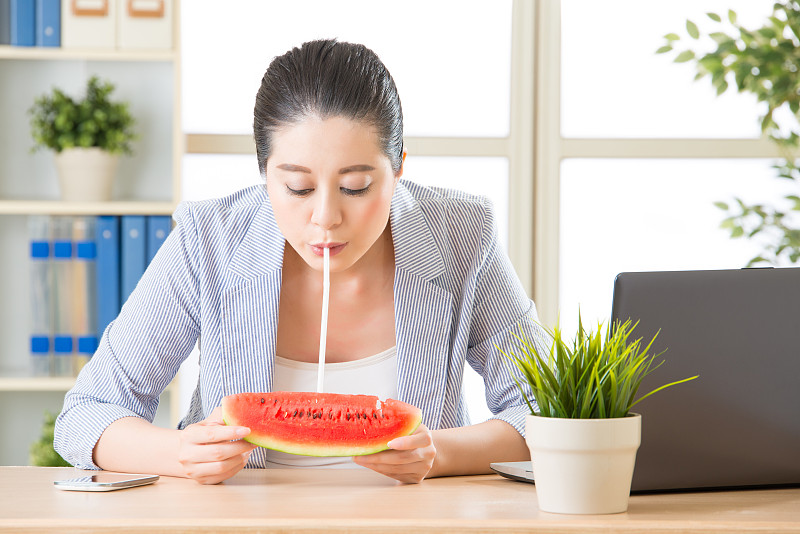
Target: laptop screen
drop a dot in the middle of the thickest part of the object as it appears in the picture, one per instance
(738, 424)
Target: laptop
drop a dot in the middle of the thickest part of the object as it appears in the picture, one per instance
(738, 424)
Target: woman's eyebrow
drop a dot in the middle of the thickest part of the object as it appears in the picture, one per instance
(294, 168)
(356, 168)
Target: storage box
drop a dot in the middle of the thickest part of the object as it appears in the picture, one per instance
(145, 24)
(88, 23)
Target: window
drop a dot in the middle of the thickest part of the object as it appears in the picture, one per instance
(639, 152)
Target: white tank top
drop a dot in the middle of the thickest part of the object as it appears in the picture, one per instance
(374, 375)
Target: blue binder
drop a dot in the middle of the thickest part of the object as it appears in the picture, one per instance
(108, 286)
(158, 228)
(133, 258)
(23, 22)
(48, 23)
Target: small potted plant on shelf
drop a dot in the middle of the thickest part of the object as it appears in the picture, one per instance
(87, 136)
(581, 432)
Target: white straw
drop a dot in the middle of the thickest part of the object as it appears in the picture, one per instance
(323, 329)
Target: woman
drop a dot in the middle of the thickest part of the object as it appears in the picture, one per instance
(419, 286)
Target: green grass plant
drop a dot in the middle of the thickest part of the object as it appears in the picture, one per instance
(597, 377)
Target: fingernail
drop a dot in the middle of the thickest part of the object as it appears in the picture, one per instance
(242, 431)
(391, 444)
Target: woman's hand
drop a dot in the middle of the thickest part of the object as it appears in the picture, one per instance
(210, 451)
(409, 459)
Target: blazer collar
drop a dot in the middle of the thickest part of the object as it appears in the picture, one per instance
(415, 248)
(416, 252)
(260, 252)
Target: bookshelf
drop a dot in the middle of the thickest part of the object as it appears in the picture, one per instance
(147, 183)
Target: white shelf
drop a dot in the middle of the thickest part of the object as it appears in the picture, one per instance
(57, 207)
(87, 54)
(36, 383)
(51, 383)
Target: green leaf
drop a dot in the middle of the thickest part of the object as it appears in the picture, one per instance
(722, 205)
(664, 49)
(683, 57)
(672, 37)
(714, 17)
(691, 28)
(737, 231)
(732, 16)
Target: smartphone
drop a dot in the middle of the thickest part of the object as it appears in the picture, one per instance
(104, 481)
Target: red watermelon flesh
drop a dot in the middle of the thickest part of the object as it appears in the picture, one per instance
(320, 424)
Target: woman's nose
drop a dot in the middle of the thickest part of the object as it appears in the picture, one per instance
(327, 213)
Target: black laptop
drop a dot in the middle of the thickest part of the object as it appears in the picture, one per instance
(738, 424)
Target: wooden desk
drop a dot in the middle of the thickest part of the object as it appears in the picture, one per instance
(304, 501)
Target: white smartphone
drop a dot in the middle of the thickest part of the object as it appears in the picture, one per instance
(104, 481)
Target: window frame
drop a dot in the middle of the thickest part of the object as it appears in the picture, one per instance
(516, 146)
(552, 148)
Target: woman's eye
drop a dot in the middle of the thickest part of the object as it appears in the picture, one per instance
(355, 192)
(298, 192)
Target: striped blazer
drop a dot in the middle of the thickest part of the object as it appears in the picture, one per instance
(216, 283)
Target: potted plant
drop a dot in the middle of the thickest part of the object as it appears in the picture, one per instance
(763, 62)
(581, 432)
(41, 451)
(87, 136)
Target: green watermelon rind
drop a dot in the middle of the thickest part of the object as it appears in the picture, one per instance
(319, 450)
(276, 445)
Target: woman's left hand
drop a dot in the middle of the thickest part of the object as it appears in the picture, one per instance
(409, 458)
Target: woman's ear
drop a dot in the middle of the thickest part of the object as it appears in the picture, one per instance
(399, 173)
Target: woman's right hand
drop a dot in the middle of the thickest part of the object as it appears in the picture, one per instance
(210, 451)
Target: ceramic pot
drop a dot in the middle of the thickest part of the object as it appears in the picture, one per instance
(583, 466)
(86, 174)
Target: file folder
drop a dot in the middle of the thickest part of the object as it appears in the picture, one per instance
(158, 228)
(133, 258)
(40, 320)
(84, 303)
(5, 22)
(108, 271)
(23, 23)
(48, 23)
(62, 295)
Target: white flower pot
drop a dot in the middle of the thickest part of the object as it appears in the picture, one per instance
(583, 466)
(86, 174)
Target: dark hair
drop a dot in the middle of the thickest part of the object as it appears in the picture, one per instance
(328, 78)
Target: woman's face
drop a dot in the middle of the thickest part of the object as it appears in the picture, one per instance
(330, 186)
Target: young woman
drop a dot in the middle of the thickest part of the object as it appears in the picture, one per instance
(419, 287)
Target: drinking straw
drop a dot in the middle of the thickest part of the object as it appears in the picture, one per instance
(323, 329)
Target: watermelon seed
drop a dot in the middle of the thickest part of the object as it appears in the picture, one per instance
(295, 413)
(263, 400)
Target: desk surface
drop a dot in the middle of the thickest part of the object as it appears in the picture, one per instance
(356, 500)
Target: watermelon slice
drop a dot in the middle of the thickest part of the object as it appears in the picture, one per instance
(320, 424)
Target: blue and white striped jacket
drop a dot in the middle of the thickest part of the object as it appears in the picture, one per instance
(216, 281)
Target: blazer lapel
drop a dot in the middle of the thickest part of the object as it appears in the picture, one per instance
(249, 307)
(423, 310)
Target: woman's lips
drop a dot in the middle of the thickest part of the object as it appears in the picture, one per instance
(335, 248)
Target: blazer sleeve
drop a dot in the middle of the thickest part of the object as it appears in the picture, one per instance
(502, 310)
(140, 351)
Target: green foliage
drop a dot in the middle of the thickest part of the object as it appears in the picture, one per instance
(764, 62)
(58, 121)
(595, 378)
(42, 452)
